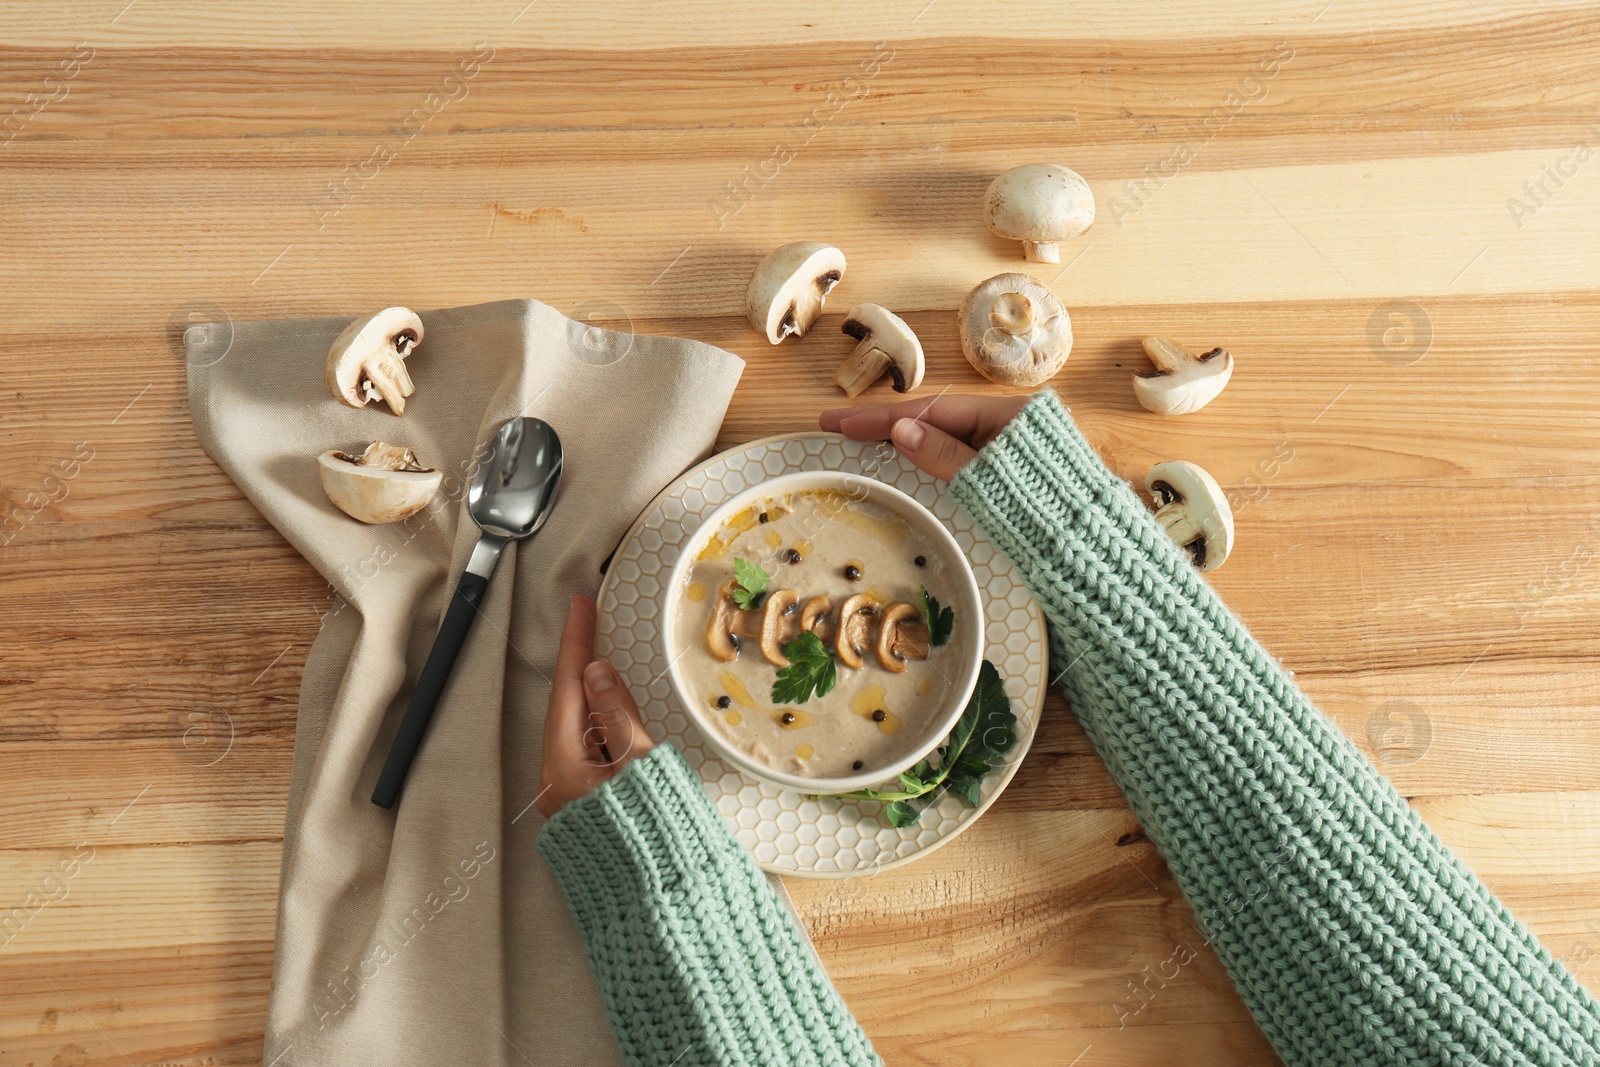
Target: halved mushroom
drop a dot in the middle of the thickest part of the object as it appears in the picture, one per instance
(729, 623)
(901, 637)
(789, 287)
(1040, 204)
(813, 616)
(1193, 510)
(851, 638)
(886, 344)
(386, 483)
(774, 625)
(1182, 381)
(367, 359)
(1014, 331)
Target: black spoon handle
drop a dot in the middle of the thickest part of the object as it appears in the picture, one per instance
(452, 633)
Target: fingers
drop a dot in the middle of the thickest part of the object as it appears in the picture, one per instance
(566, 717)
(930, 448)
(614, 721)
(973, 419)
(954, 414)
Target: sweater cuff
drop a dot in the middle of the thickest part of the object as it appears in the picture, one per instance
(1039, 477)
(696, 959)
(637, 837)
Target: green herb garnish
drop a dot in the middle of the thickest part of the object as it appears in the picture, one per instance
(752, 587)
(811, 671)
(986, 731)
(939, 621)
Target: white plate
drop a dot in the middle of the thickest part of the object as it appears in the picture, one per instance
(788, 832)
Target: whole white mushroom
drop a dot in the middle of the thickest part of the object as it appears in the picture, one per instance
(1014, 331)
(1041, 205)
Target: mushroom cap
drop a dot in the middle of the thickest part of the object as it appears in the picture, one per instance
(1189, 485)
(789, 287)
(772, 626)
(1014, 331)
(367, 360)
(1182, 381)
(851, 626)
(384, 484)
(1039, 202)
(814, 611)
(720, 641)
(877, 328)
(888, 623)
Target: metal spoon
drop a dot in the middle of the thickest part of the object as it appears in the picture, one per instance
(512, 494)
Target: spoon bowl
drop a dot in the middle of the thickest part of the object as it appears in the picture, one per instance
(514, 488)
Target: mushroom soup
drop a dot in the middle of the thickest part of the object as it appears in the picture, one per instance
(804, 588)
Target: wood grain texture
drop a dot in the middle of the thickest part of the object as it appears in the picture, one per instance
(1393, 231)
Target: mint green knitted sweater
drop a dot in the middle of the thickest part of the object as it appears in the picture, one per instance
(1353, 934)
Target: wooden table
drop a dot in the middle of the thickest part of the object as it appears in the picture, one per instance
(1382, 210)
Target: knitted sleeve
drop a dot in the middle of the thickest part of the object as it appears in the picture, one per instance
(698, 962)
(1353, 934)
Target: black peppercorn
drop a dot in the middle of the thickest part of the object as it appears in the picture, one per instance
(724, 701)
(763, 516)
(787, 718)
(921, 561)
(852, 573)
(792, 555)
(879, 715)
(857, 765)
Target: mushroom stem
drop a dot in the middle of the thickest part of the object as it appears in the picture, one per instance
(1178, 523)
(1041, 251)
(865, 366)
(1012, 313)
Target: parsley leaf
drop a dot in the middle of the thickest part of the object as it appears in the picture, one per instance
(752, 587)
(811, 670)
(939, 621)
(986, 731)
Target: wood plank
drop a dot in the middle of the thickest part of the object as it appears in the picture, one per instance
(1407, 439)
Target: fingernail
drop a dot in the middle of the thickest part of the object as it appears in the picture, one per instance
(599, 676)
(908, 434)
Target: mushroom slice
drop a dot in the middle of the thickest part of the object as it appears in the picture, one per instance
(386, 483)
(773, 625)
(1193, 510)
(789, 287)
(886, 344)
(1182, 381)
(898, 637)
(729, 622)
(367, 361)
(1014, 331)
(851, 638)
(813, 615)
(721, 639)
(1040, 204)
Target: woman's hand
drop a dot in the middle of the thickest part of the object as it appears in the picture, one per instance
(939, 435)
(592, 728)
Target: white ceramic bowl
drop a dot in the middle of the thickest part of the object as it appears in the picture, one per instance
(966, 642)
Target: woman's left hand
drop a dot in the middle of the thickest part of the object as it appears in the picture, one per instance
(592, 728)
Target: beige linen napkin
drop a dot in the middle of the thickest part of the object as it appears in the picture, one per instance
(434, 934)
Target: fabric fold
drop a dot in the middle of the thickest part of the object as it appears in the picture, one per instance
(434, 932)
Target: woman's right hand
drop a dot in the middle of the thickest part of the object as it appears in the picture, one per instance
(940, 435)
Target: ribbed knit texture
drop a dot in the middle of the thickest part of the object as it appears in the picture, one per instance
(699, 963)
(1353, 934)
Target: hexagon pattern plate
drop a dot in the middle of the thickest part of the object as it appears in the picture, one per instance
(788, 832)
